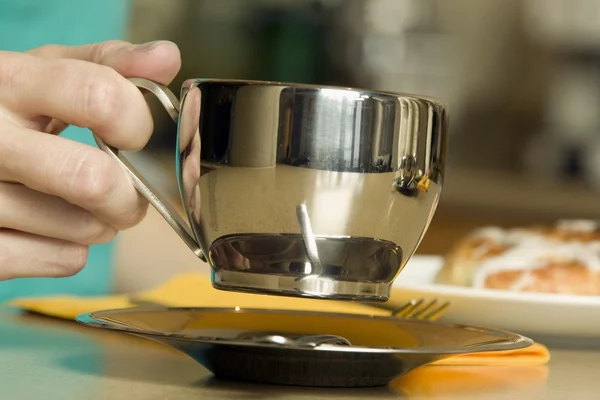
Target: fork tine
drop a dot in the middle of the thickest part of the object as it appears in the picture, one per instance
(418, 313)
(429, 312)
(416, 304)
(406, 309)
(436, 313)
(398, 312)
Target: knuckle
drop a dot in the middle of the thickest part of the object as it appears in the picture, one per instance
(73, 258)
(47, 50)
(100, 51)
(95, 232)
(135, 216)
(11, 69)
(96, 183)
(101, 96)
(91, 178)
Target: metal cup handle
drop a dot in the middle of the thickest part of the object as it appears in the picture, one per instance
(171, 104)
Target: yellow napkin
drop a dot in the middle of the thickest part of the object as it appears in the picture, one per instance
(435, 382)
(195, 290)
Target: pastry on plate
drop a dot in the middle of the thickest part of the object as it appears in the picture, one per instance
(560, 258)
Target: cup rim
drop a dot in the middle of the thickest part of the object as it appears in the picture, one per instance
(298, 85)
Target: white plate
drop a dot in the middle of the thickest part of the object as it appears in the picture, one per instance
(543, 317)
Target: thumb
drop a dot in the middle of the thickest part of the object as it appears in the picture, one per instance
(158, 61)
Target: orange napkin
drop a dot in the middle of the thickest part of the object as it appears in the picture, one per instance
(195, 290)
(436, 382)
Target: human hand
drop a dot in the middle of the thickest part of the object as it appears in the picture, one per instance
(58, 196)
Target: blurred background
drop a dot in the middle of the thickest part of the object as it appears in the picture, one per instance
(521, 78)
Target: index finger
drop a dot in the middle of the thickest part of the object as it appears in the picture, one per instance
(79, 93)
(158, 61)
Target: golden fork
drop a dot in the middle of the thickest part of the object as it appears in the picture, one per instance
(413, 309)
(416, 309)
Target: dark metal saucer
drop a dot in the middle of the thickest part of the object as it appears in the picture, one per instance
(301, 347)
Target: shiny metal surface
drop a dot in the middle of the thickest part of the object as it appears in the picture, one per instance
(374, 350)
(154, 196)
(304, 190)
(293, 340)
(50, 359)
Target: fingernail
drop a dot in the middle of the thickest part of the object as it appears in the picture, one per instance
(152, 44)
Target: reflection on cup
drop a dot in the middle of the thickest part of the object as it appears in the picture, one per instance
(251, 152)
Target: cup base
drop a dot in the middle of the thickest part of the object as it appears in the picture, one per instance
(310, 286)
(340, 268)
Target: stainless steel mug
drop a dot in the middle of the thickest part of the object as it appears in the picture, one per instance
(301, 190)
